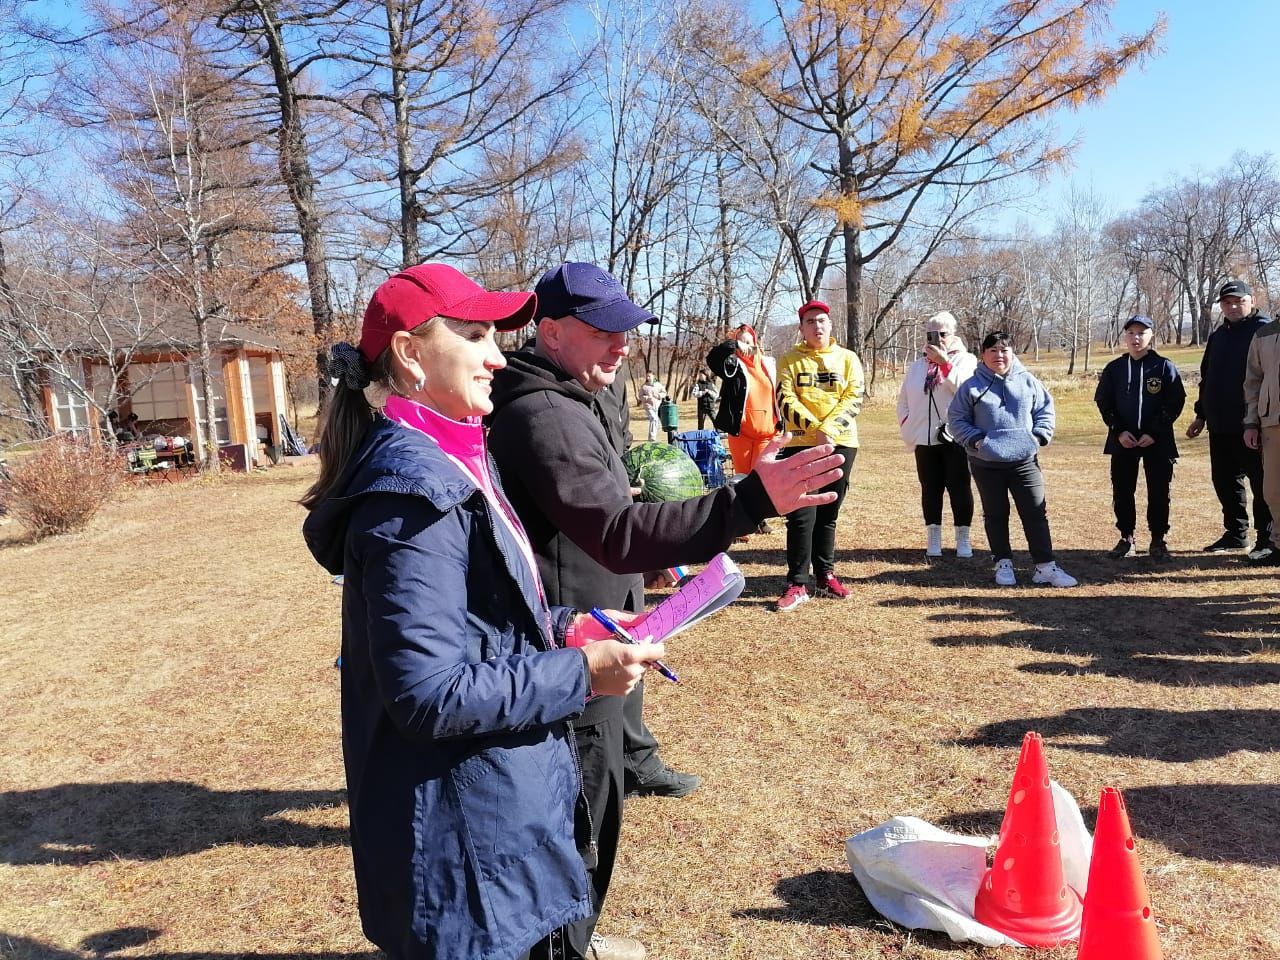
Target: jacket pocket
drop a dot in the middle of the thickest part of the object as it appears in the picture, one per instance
(1009, 446)
(514, 799)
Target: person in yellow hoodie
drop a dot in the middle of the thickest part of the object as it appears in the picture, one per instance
(819, 396)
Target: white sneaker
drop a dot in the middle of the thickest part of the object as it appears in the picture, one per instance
(964, 548)
(1005, 576)
(934, 533)
(1053, 575)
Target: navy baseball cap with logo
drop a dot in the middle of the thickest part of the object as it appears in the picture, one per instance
(1140, 320)
(584, 291)
(1234, 288)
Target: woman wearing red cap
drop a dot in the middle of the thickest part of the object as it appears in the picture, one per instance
(457, 679)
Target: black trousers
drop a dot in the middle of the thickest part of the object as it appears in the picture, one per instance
(639, 746)
(811, 531)
(944, 468)
(1158, 469)
(1231, 464)
(599, 734)
(706, 411)
(1024, 482)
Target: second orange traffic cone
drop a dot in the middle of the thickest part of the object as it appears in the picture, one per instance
(1118, 924)
(1024, 895)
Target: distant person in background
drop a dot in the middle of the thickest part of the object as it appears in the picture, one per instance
(131, 429)
(748, 406)
(1002, 415)
(819, 396)
(1262, 415)
(1221, 407)
(706, 395)
(651, 395)
(1140, 396)
(941, 464)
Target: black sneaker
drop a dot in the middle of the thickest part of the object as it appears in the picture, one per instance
(1262, 553)
(1226, 543)
(1123, 547)
(666, 783)
(1159, 550)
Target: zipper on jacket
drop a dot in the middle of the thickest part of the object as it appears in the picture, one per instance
(592, 855)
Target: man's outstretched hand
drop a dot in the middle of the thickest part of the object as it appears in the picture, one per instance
(791, 482)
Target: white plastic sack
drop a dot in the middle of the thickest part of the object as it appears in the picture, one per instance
(925, 878)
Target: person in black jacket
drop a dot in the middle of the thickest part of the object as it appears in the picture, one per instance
(557, 434)
(1140, 396)
(1221, 408)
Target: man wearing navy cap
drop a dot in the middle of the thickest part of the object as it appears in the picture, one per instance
(1140, 396)
(558, 440)
(1221, 408)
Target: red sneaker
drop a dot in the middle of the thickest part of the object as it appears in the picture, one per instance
(830, 587)
(796, 594)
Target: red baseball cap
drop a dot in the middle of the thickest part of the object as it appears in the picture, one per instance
(812, 305)
(411, 297)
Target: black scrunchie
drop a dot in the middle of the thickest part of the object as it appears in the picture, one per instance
(346, 364)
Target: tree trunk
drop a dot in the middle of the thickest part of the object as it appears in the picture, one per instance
(852, 233)
(295, 169)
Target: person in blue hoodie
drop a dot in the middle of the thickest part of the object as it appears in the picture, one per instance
(458, 681)
(1140, 396)
(1002, 415)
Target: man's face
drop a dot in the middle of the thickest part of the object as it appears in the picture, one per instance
(590, 356)
(815, 328)
(1234, 308)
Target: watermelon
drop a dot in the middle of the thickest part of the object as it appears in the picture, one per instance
(663, 472)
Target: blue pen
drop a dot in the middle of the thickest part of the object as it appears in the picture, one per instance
(608, 623)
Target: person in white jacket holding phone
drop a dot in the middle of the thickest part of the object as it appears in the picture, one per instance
(942, 466)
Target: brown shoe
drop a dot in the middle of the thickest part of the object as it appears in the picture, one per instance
(614, 948)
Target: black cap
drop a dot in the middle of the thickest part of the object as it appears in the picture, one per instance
(1140, 320)
(1234, 288)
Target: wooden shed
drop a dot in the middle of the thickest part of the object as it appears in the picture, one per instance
(159, 380)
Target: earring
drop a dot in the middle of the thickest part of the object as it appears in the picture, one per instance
(419, 384)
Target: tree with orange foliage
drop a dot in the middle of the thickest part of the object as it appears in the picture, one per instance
(922, 96)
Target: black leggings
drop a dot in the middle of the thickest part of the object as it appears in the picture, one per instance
(943, 467)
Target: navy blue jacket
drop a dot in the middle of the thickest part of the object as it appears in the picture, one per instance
(1141, 396)
(1001, 419)
(1226, 354)
(460, 773)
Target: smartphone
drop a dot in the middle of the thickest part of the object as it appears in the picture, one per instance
(933, 338)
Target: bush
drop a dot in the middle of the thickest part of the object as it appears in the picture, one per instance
(62, 485)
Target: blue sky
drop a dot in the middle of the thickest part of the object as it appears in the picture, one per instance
(1210, 93)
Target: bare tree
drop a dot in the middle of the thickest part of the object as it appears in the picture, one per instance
(912, 99)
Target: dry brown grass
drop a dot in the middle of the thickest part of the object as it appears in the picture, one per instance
(173, 785)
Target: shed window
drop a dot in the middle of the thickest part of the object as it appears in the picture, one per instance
(158, 390)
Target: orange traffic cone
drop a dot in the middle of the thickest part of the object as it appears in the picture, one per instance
(1117, 914)
(1024, 895)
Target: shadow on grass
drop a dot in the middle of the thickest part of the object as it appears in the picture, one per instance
(1165, 735)
(78, 823)
(1143, 641)
(832, 898)
(110, 943)
(1215, 822)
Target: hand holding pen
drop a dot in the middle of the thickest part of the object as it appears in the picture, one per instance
(624, 636)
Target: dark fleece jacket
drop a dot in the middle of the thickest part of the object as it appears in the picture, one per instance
(1140, 396)
(557, 449)
(1226, 353)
